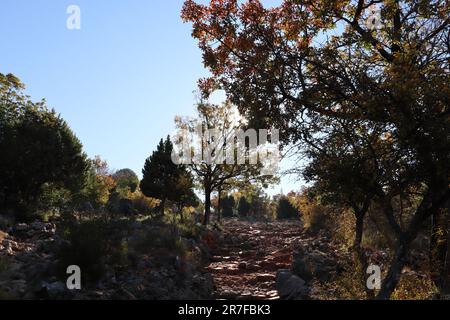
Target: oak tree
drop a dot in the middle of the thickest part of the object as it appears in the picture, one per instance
(306, 62)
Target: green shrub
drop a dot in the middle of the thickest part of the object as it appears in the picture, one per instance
(142, 204)
(317, 219)
(413, 287)
(53, 199)
(243, 207)
(126, 180)
(190, 229)
(227, 205)
(86, 248)
(317, 216)
(286, 210)
(161, 240)
(91, 244)
(118, 255)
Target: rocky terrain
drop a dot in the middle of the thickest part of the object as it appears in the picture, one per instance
(240, 260)
(27, 261)
(29, 269)
(259, 260)
(247, 260)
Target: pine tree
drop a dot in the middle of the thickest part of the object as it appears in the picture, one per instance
(228, 204)
(243, 207)
(166, 181)
(160, 174)
(286, 210)
(183, 193)
(40, 156)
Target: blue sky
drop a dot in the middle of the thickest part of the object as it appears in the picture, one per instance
(119, 81)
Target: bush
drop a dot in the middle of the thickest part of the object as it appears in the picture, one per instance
(190, 229)
(315, 215)
(286, 210)
(99, 184)
(243, 207)
(53, 200)
(6, 296)
(317, 219)
(345, 286)
(142, 204)
(160, 240)
(91, 244)
(413, 287)
(126, 181)
(227, 204)
(86, 248)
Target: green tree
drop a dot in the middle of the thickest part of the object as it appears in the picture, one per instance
(259, 202)
(308, 63)
(344, 171)
(126, 180)
(216, 174)
(161, 177)
(183, 193)
(38, 149)
(243, 207)
(285, 209)
(228, 204)
(99, 184)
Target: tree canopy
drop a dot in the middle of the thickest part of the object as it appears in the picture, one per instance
(38, 148)
(211, 135)
(126, 180)
(367, 104)
(165, 180)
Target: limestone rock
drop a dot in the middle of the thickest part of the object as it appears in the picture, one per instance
(313, 264)
(290, 286)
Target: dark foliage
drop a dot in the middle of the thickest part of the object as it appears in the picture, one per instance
(227, 204)
(37, 148)
(243, 207)
(286, 210)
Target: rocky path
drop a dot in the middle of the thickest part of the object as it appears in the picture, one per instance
(244, 266)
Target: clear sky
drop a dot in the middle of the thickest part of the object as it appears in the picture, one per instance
(118, 81)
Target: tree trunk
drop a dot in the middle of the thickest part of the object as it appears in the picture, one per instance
(219, 205)
(439, 248)
(207, 204)
(359, 256)
(359, 227)
(435, 199)
(390, 282)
